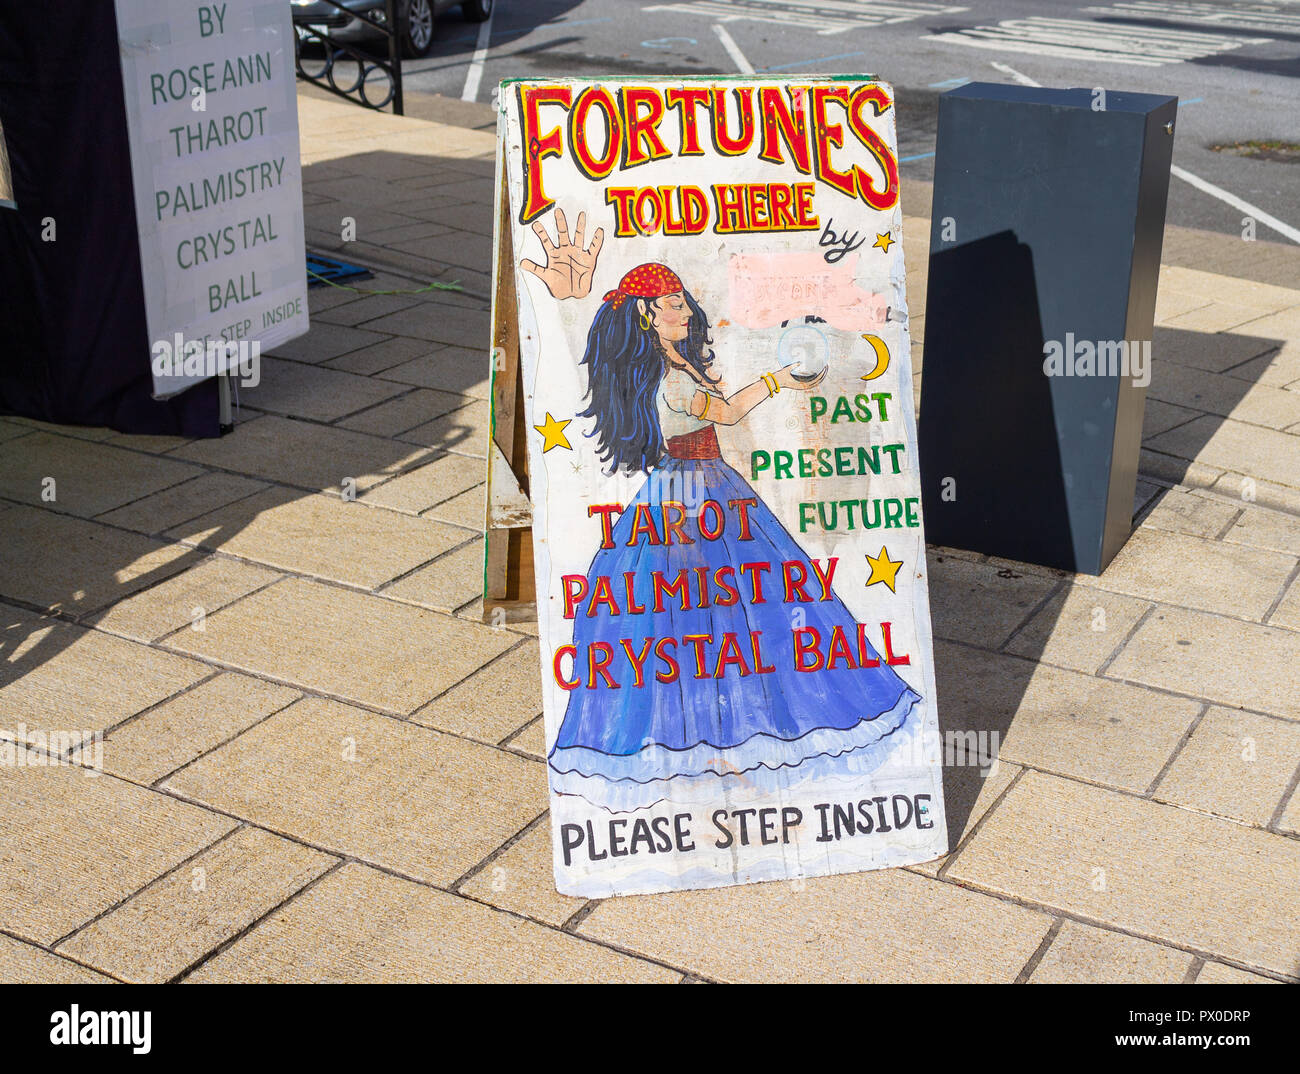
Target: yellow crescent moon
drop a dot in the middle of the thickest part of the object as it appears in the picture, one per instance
(882, 356)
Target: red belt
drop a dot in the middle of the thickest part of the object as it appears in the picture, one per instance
(701, 444)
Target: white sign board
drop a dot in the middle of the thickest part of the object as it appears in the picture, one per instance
(212, 116)
(730, 562)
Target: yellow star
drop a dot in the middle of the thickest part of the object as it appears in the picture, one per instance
(884, 569)
(884, 242)
(553, 433)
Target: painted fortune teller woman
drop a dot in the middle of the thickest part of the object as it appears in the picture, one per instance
(655, 405)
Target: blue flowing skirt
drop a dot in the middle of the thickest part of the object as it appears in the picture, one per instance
(628, 747)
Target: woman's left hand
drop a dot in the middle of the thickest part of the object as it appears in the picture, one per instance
(570, 264)
(786, 379)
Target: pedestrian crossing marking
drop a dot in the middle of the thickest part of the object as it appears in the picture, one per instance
(820, 16)
(1099, 42)
(1268, 18)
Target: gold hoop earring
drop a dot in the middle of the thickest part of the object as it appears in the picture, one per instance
(647, 322)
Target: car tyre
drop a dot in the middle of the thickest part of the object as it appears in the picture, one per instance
(476, 10)
(415, 28)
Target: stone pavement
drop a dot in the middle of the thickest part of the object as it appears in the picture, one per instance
(320, 765)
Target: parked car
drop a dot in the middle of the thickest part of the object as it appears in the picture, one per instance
(414, 19)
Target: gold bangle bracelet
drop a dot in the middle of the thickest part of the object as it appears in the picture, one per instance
(705, 412)
(773, 386)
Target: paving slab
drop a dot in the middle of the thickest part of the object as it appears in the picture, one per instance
(1279, 368)
(1218, 973)
(1094, 729)
(26, 964)
(146, 442)
(1081, 954)
(67, 564)
(299, 390)
(303, 454)
(438, 322)
(1218, 316)
(1263, 454)
(468, 510)
(1283, 330)
(62, 679)
(531, 740)
(325, 341)
(379, 356)
(176, 732)
(521, 879)
(981, 603)
(494, 703)
(1236, 765)
(1287, 613)
(889, 926)
(1259, 527)
(73, 845)
(10, 431)
(1175, 568)
(1171, 303)
(1159, 417)
(445, 584)
(1192, 513)
(358, 924)
(1252, 490)
(457, 249)
(1290, 819)
(184, 599)
(464, 431)
(83, 478)
(403, 797)
(378, 652)
(413, 408)
(1258, 404)
(1237, 664)
(1143, 493)
(438, 481)
(166, 928)
(79, 432)
(1213, 352)
(368, 307)
(1171, 469)
(1229, 289)
(453, 369)
(321, 535)
(1079, 628)
(163, 510)
(1160, 872)
(969, 792)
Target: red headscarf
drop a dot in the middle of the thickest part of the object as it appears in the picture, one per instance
(650, 280)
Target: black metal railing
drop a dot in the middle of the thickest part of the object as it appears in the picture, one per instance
(370, 70)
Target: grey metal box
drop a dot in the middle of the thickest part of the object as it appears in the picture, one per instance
(1048, 217)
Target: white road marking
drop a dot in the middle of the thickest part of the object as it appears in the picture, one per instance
(475, 73)
(1078, 39)
(1024, 80)
(1237, 203)
(733, 50)
(1268, 18)
(819, 16)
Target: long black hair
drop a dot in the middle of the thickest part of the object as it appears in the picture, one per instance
(625, 364)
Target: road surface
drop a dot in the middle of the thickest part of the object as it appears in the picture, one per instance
(1234, 66)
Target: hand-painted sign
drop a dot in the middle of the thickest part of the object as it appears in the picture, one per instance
(727, 538)
(212, 113)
